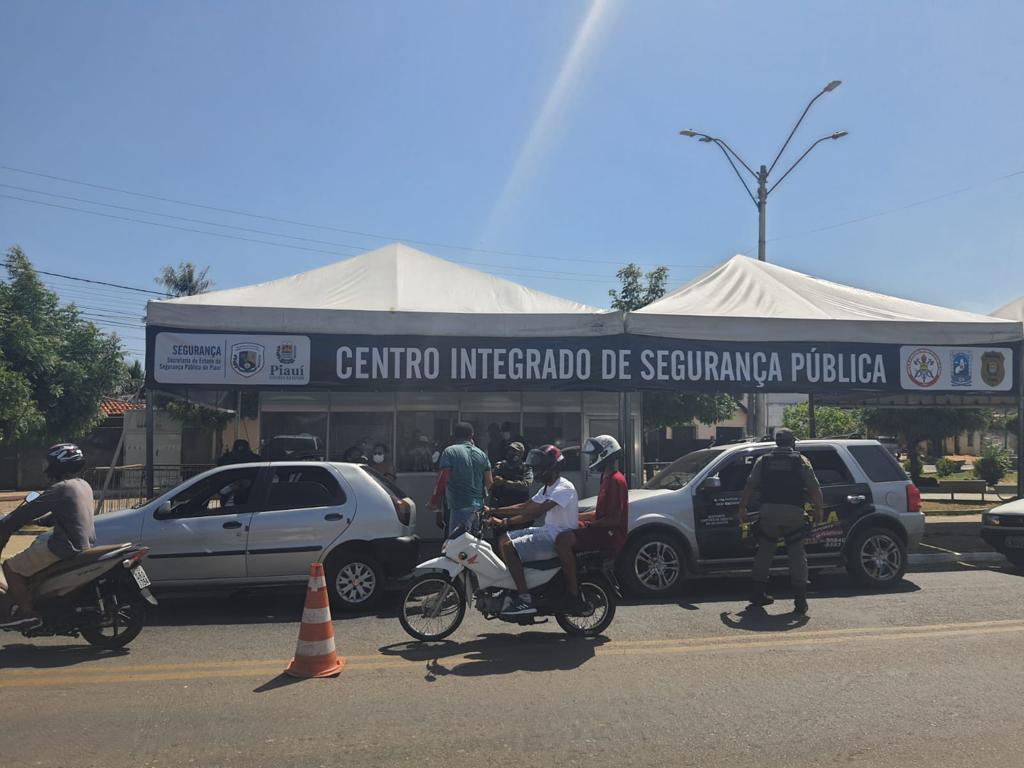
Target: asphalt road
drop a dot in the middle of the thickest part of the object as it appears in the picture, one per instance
(928, 675)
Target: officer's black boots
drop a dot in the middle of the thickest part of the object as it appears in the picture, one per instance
(760, 597)
(800, 605)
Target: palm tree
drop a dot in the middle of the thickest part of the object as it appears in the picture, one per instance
(186, 280)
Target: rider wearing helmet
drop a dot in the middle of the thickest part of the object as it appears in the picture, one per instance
(67, 507)
(557, 502)
(605, 527)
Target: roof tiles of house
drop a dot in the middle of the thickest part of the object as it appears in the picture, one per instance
(112, 407)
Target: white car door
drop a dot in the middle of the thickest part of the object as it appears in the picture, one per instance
(307, 506)
(200, 533)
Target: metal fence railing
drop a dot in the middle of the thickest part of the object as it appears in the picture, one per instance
(124, 487)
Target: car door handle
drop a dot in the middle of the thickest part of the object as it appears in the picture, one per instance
(333, 516)
(233, 524)
(856, 498)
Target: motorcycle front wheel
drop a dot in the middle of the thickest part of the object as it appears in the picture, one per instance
(601, 597)
(124, 619)
(432, 607)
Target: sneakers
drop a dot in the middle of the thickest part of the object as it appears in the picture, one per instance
(800, 606)
(22, 623)
(518, 606)
(761, 598)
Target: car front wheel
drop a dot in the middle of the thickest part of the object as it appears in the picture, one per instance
(652, 564)
(876, 557)
(355, 581)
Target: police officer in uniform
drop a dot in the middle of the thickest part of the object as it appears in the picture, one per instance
(783, 480)
(512, 478)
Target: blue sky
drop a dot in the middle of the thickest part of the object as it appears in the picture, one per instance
(547, 129)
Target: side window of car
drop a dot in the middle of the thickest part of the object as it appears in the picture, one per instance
(300, 487)
(735, 473)
(829, 467)
(225, 492)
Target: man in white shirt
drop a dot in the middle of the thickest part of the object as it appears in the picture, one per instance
(558, 502)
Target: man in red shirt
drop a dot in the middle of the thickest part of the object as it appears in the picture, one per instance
(603, 529)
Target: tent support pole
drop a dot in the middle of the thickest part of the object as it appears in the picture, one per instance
(150, 452)
(812, 424)
(1020, 422)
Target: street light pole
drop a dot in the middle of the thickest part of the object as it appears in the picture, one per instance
(757, 419)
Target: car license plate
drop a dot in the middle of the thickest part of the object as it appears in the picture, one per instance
(141, 577)
(1014, 542)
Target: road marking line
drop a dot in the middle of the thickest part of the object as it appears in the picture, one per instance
(257, 667)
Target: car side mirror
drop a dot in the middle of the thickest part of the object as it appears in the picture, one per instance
(163, 511)
(711, 484)
(32, 496)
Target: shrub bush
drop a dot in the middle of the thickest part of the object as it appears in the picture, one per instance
(993, 464)
(945, 467)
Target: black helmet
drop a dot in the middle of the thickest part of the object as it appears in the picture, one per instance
(64, 459)
(545, 458)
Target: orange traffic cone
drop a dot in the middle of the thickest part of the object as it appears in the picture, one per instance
(315, 655)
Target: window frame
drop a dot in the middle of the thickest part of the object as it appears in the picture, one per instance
(253, 502)
(339, 499)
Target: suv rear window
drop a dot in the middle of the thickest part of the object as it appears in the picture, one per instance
(829, 467)
(878, 463)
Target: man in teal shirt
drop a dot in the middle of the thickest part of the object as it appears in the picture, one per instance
(464, 480)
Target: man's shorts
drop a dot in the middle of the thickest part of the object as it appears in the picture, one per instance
(533, 544)
(31, 561)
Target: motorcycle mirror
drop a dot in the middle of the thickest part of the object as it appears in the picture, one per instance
(31, 496)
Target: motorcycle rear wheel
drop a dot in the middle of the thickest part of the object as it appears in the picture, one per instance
(437, 595)
(601, 596)
(126, 616)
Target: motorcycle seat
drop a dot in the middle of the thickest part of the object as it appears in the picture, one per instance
(89, 556)
(543, 565)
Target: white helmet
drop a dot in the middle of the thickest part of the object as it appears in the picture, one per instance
(602, 448)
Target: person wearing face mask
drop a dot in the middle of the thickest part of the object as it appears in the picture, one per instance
(381, 464)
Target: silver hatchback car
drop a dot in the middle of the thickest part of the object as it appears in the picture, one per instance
(263, 524)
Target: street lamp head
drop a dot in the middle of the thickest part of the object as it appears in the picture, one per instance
(688, 133)
(838, 135)
(832, 86)
(705, 139)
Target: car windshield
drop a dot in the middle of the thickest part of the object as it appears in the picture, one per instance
(682, 470)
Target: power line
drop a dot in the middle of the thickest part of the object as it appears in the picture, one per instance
(97, 282)
(280, 220)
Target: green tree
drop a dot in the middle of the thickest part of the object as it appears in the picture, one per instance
(665, 409)
(185, 280)
(914, 425)
(633, 292)
(56, 367)
(829, 420)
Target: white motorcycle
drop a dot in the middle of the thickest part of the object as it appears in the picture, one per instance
(434, 604)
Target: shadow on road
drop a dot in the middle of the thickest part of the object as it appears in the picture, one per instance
(26, 656)
(495, 654)
(754, 618)
(281, 681)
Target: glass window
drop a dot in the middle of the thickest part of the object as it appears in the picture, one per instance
(490, 428)
(829, 467)
(303, 487)
(354, 434)
(225, 492)
(293, 435)
(421, 437)
(682, 470)
(736, 471)
(878, 463)
(561, 429)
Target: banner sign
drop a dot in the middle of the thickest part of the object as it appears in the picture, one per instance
(416, 363)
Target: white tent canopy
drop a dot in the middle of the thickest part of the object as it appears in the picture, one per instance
(1012, 311)
(749, 300)
(392, 290)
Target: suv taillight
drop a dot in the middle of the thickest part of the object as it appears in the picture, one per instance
(402, 510)
(913, 498)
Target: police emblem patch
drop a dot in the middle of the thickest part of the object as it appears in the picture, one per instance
(924, 367)
(961, 373)
(993, 368)
(247, 358)
(286, 353)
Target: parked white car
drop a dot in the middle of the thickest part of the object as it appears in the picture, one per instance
(684, 519)
(264, 524)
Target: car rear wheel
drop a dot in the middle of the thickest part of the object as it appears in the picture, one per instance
(355, 581)
(652, 564)
(876, 557)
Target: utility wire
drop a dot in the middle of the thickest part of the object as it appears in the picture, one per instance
(280, 220)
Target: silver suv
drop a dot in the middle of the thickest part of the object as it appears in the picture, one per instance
(684, 521)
